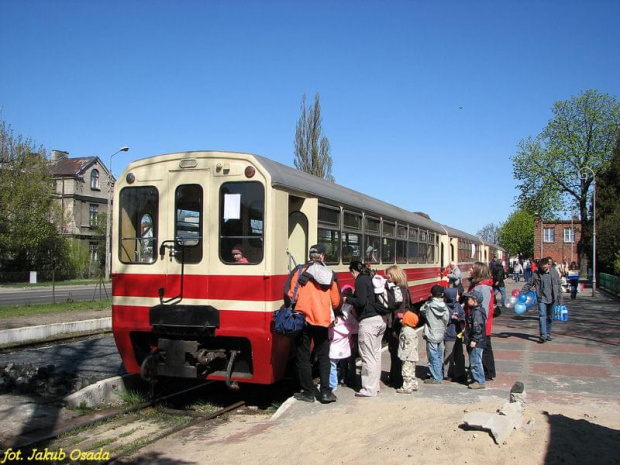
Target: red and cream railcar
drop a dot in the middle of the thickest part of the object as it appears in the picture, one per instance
(185, 306)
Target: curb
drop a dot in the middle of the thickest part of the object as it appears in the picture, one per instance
(41, 332)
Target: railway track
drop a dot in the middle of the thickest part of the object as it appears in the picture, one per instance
(107, 436)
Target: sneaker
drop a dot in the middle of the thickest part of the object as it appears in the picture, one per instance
(476, 385)
(304, 396)
(542, 340)
(548, 338)
(404, 391)
(432, 381)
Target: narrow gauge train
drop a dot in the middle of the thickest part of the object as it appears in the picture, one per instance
(185, 306)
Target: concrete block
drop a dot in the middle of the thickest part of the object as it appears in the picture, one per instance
(104, 392)
(499, 425)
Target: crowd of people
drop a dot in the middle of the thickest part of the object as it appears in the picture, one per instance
(350, 324)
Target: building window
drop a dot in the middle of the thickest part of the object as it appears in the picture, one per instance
(569, 235)
(93, 211)
(549, 235)
(94, 180)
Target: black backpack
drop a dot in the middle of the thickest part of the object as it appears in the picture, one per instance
(389, 300)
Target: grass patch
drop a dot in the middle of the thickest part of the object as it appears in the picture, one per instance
(82, 408)
(205, 407)
(131, 398)
(41, 309)
(102, 443)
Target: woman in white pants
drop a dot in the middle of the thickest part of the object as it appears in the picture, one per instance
(371, 329)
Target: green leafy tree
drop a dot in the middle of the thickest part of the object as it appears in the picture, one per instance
(581, 135)
(608, 215)
(26, 233)
(312, 150)
(517, 234)
(489, 233)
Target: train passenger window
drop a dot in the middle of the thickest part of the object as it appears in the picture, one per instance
(138, 225)
(413, 252)
(329, 215)
(372, 249)
(388, 250)
(331, 239)
(351, 247)
(430, 253)
(413, 234)
(352, 221)
(423, 237)
(401, 232)
(388, 229)
(188, 222)
(371, 225)
(242, 218)
(422, 251)
(401, 252)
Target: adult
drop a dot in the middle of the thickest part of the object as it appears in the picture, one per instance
(371, 329)
(395, 275)
(548, 286)
(237, 254)
(498, 280)
(481, 281)
(317, 295)
(517, 271)
(573, 278)
(454, 275)
(527, 267)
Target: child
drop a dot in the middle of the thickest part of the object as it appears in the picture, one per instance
(343, 329)
(436, 314)
(454, 359)
(475, 337)
(408, 352)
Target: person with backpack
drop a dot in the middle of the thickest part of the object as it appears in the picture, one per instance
(436, 314)
(370, 330)
(396, 277)
(317, 294)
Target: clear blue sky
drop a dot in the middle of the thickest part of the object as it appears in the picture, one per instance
(423, 102)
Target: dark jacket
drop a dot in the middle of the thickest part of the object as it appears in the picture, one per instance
(364, 298)
(454, 308)
(498, 275)
(476, 324)
(536, 282)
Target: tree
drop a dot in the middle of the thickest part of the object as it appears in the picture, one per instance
(516, 235)
(27, 235)
(488, 233)
(608, 215)
(582, 134)
(311, 147)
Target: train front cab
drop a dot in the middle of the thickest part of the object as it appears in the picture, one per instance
(182, 305)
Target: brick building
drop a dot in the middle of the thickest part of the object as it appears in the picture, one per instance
(557, 239)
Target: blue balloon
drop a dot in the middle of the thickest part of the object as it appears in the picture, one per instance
(531, 298)
(520, 308)
(522, 298)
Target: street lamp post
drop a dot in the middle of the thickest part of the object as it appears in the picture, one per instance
(584, 175)
(109, 215)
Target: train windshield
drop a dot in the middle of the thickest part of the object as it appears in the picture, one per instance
(139, 208)
(242, 212)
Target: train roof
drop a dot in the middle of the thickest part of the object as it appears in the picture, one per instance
(453, 232)
(293, 179)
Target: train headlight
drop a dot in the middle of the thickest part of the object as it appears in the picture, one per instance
(250, 171)
(130, 178)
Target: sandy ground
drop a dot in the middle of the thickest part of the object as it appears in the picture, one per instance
(396, 429)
